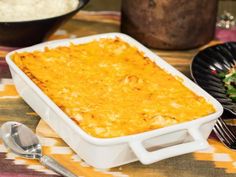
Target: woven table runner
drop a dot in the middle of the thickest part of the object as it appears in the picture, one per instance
(217, 161)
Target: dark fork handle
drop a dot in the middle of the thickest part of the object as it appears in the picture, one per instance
(225, 135)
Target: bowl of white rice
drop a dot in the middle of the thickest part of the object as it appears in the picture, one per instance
(28, 22)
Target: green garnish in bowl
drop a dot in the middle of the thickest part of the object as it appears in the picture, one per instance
(229, 80)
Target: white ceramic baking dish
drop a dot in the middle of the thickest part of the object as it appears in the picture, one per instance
(147, 147)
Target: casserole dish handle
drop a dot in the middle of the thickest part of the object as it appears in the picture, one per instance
(146, 157)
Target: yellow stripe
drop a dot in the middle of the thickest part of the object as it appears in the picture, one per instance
(9, 90)
(203, 156)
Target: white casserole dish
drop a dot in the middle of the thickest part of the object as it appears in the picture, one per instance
(147, 147)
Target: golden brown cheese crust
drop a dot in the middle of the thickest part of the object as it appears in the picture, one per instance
(110, 89)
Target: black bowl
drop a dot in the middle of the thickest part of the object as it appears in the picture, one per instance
(26, 33)
(206, 66)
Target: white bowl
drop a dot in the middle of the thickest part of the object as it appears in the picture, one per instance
(148, 147)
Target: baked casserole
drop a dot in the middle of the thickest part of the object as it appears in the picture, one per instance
(110, 88)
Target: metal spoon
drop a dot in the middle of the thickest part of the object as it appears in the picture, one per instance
(21, 140)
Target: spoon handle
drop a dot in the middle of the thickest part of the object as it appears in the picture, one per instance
(54, 165)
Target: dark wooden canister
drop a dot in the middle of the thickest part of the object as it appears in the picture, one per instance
(170, 24)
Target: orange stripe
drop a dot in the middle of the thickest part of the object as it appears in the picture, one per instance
(230, 170)
(227, 165)
(9, 90)
(203, 156)
(3, 53)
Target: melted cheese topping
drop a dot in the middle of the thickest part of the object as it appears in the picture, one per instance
(110, 89)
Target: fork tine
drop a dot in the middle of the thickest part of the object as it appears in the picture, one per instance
(225, 131)
(226, 128)
(222, 135)
(225, 135)
(219, 135)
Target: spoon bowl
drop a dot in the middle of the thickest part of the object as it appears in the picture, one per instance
(22, 141)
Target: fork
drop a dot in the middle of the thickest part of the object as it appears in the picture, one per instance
(226, 136)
